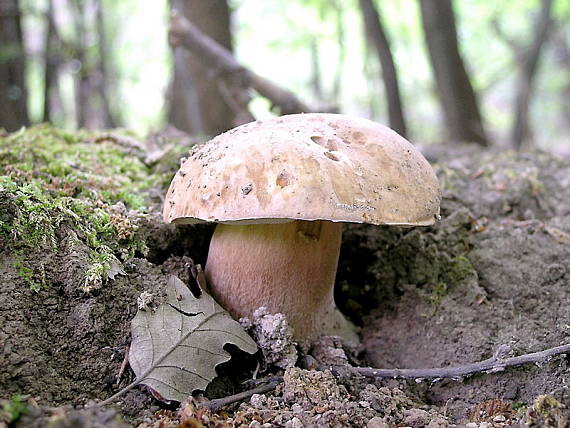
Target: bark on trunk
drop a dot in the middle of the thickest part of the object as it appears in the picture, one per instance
(377, 37)
(528, 66)
(212, 17)
(81, 86)
(51, 62)
(13, 92)
(337, 5)
(563, 59)
(103, 70)
(457, 96)
(316, 83)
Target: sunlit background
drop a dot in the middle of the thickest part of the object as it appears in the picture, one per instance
(317, 49)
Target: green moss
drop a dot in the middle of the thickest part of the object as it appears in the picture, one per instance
(448, 177)
(54, 184)
(438, 292)
(13, 409)
(35, 279)
(546, 404)
(459, 269)
(519, 406)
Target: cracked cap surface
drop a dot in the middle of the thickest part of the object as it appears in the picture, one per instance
(311, 166)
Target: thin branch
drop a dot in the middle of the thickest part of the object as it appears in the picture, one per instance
(218, 403)
(124, 365)
(183, 33)
(491, 365)
(513, 44)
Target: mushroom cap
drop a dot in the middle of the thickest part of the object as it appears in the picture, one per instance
(305, 167)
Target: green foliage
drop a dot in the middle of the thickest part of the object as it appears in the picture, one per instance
(56, 184)
(519, 405)
(13, 409)
(35, 280)
(459, 269)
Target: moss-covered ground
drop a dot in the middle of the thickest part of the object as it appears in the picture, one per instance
(87, 186)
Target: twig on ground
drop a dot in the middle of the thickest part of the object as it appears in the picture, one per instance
(490, 365)
(121, 140)
(124, 365)
(218, 403)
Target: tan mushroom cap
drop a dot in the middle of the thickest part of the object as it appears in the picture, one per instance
(305, 167)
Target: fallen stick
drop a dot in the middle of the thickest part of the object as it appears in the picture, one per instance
(218, 403)
(491, 365)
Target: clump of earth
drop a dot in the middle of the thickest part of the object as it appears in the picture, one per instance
(493, 274)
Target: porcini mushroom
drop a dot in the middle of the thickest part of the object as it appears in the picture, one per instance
(280, 190)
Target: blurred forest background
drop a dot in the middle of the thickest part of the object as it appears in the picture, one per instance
(491, 72)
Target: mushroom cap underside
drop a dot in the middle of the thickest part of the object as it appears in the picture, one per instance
(311, 166)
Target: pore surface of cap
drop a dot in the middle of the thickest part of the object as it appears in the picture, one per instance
(305, 167)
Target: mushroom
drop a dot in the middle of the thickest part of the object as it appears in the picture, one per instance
(280, 190)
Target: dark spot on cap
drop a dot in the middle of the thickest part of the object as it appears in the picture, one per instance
(283, 179)
(357, 137)
(331, 156)
(318, 139)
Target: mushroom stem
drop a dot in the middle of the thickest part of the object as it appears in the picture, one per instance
(287, 267)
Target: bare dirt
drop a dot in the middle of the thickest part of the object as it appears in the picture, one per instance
(494, 271)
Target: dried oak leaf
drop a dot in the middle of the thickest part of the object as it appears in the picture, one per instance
(176, 348)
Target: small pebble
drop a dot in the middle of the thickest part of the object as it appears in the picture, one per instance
(297, 408)
(377, 422)
(258, 400)
(296, 423)
(499, 418)
(254, 424)
(471, 425)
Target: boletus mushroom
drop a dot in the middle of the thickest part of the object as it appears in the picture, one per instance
(280, 190)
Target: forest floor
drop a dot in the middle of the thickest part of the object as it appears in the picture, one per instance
(81, 237)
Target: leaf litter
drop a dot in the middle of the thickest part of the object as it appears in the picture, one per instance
(176, 348)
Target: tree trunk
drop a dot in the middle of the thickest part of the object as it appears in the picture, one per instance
(457, 96)
(13, 91)
(378, 39)
(212, 17)
(528, 67)
(103, 87)
(82, 83)
(340, 33)
(316, 70)
(234, 78)
(51, 62)
(563, 59)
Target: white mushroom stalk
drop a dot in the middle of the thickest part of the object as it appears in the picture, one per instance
(288, 267)
(281, 189)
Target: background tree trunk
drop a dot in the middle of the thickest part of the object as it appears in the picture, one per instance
(81, 78)
(103, 70)
(377, 37)
(562, 51)
(316, 83)
(457, 96)
(13, 91)
(51, 62)
(528, 65)
(339, 12)
(212, 17)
